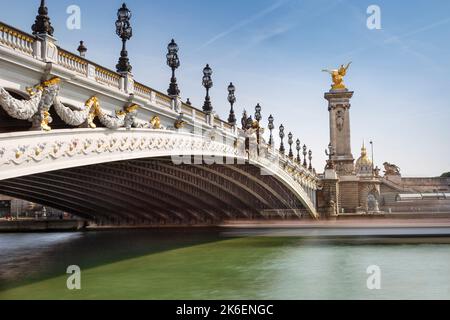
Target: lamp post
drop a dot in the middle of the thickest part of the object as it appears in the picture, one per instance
(125, 32)
(310, 160)
(299, 148)
(305, 153)
(232, 101)
(258, 118)
(271, 127)
(290, 142)
(174, 63)
(282, 135)
(82, 49)
(208, 84)
(373, 157)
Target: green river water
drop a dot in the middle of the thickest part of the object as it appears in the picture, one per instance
(213, 264)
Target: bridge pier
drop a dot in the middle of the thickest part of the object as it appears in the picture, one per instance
(328, 196)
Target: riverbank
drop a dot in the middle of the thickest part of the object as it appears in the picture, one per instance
(345, 223)
(40, 226)
(371, 223)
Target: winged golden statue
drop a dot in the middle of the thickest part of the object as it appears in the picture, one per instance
(338, 76)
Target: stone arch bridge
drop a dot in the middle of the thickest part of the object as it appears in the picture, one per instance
(98, 144)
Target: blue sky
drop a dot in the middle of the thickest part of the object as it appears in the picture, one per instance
(274, 51)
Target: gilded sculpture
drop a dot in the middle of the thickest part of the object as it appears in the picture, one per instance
(155, 122)
(338, 77)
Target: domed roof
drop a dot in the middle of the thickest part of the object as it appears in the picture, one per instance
(363, 161)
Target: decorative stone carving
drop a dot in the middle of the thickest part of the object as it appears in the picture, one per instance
(340, 119)
(20, 109)
(46, 95)
(391, 169)
(71, 117)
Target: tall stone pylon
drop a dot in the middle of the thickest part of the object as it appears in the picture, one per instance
(340, 134)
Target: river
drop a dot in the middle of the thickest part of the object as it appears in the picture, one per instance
(218, 264)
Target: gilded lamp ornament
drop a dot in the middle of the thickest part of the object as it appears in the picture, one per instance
(337, 77)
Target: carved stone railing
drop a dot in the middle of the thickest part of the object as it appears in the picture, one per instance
(72, 62)
(16, 39)
(163, 100)
(107, 77)
(142, 90)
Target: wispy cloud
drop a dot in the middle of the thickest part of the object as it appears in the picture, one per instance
(397, 39)
(419, 30)
(244, 23)
(285, 26)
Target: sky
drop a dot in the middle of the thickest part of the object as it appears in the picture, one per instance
(274, 51)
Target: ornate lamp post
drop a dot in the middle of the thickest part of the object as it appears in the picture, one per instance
(42, 24)
(232, 101)
(305, 153)
(208, 84)
(373, 159)
(258, 113)
(290, 141)
(299, 148)
(174, 63)
(258, 118)
(282, 135)
(82, 49)
(125, 32)
(310, 160)
(271, 127)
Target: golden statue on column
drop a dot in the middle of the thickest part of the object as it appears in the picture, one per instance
(338, 77)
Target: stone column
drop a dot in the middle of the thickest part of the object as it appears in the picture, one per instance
(328, 196)
(339, 108)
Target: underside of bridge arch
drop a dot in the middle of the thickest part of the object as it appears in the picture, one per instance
(155, 191)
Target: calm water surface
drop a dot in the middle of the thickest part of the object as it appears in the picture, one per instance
(211, 264)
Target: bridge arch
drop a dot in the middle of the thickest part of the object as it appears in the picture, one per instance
(128, 175)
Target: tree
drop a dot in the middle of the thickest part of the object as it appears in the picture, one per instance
(446, 175)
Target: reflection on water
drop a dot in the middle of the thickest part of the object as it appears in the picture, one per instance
(34, 256)
(208, 264)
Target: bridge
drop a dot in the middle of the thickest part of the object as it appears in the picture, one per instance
(96, 143)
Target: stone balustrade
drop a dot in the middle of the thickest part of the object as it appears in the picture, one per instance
(142, 91)
(16, 39)
(72, 62)
(107, 77)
